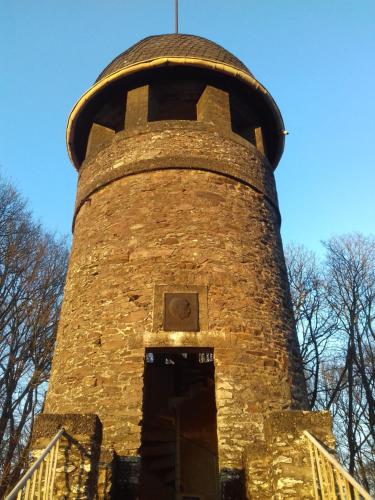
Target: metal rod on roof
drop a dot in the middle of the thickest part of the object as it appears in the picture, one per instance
(176, 15)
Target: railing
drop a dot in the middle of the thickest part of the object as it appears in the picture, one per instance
(39, 480)
(331, 480)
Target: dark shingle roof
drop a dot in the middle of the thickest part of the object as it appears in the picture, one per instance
(172, 45)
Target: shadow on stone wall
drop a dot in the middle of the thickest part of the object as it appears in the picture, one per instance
(232, 483)
(77, 467)
(80, 468)
(126, 470)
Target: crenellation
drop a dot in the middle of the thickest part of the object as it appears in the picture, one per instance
(137, 107)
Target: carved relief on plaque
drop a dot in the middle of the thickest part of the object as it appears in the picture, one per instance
(181, 312)
(180, 308)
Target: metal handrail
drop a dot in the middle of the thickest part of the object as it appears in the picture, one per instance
(30, 478)
(331, 480)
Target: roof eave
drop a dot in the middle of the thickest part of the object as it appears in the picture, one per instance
(175, 60)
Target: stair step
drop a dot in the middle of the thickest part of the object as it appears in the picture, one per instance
(162, 463)
(170, 477)
(173, 402)
(196, 388)
(166, 417)
(162, 435)
(158, 450)
(188, 383)
(192, 380)
(191, 369)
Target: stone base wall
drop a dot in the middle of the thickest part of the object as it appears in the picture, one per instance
(279, 468)
(276, 468)
(79, 469)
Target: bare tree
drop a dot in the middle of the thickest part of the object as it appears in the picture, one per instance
(334, 305)
(315, 325)
(350, 278)
(32, 273)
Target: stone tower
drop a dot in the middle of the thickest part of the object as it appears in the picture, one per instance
(176, 356)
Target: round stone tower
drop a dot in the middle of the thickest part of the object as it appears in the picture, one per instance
(176, 329)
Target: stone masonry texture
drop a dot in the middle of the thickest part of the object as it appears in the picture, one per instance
(179, 206)
(278, 466)
(77, 470)
(176, 226)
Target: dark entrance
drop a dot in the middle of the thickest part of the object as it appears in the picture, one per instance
(179, 435)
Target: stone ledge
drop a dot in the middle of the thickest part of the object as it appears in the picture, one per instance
(47, 425)
(296, 421)
(164, 147)
(182, 125)
(78, 471)
(279, 467)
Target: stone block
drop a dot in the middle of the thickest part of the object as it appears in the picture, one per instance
(99, 136)
(279, 467)
(137, 107)
(79, 450)
(213, 106)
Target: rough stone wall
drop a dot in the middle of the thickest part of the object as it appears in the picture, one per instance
(163, 145)
(78, 472)
(279, 467)
(176, 227)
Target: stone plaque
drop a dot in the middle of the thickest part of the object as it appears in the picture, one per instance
(181, 312)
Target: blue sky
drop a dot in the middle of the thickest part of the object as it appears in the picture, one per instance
(315, 57)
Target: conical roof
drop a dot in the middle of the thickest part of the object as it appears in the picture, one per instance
(173, 45)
